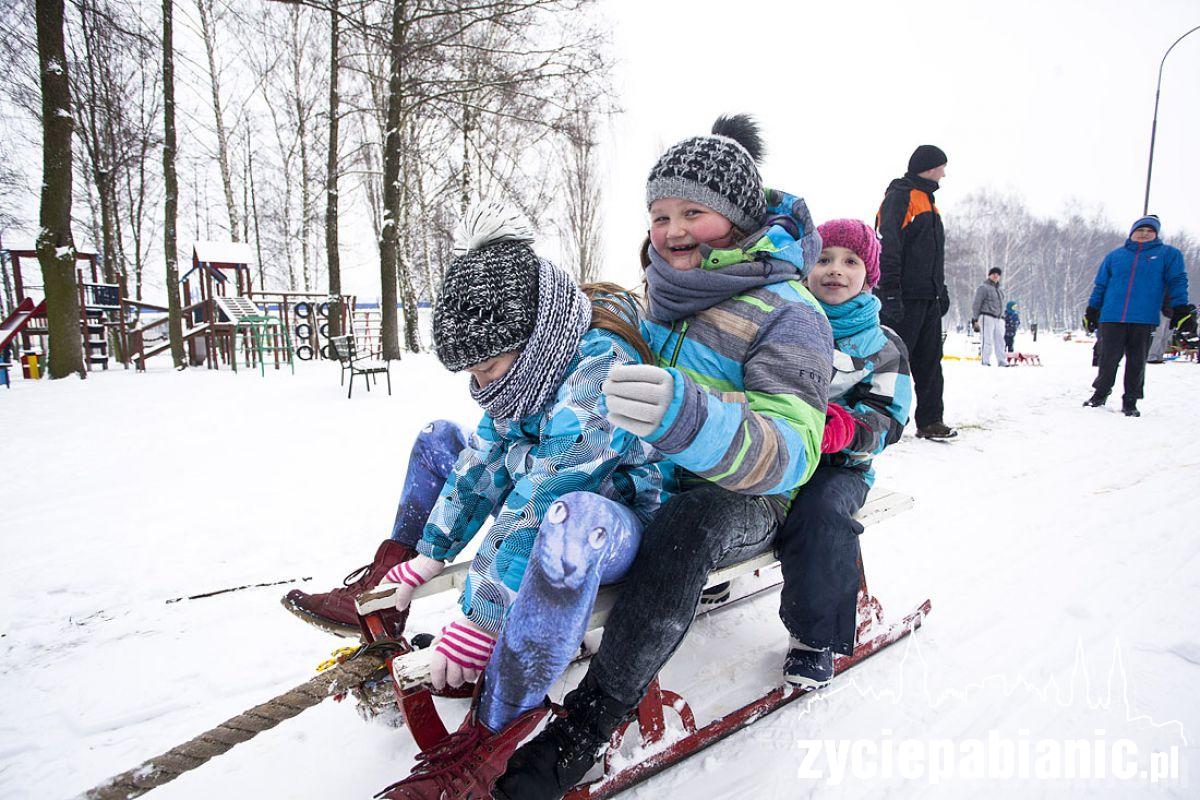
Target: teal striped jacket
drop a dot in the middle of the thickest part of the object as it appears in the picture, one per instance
(751, 382)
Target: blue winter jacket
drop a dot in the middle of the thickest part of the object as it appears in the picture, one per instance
(1133, 280)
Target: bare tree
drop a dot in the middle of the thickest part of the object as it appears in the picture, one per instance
(582, 226)
(55, 244)
(332, 258)
(171, 187)
(209, 34)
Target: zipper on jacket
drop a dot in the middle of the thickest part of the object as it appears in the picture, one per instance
(678, 343)
(1129, 288)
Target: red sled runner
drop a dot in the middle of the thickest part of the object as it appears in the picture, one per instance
(409, 671)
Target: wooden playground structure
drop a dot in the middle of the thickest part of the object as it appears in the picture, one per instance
(226, 321)
(99, 310)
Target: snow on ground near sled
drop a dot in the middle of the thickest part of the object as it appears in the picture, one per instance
(1058, 545)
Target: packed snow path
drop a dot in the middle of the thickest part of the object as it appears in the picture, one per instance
(1058, 545)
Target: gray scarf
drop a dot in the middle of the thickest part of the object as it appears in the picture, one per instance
(679, 293)
(563, 316)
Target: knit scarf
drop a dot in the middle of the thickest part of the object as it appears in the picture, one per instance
(563, 316)
(679, 293)
(855, 325)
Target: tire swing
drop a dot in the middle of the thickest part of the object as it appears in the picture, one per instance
(302, 310)
(304, 353)
(304, 331)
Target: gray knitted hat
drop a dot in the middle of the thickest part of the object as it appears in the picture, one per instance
(719, 171)
(489, 296)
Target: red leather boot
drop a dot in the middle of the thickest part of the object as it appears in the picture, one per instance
(466, 764)
(335, 612)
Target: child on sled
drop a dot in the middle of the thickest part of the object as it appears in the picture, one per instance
(568, 491)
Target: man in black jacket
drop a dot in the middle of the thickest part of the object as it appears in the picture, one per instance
(912, 287)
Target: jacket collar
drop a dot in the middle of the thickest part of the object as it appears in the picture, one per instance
(924, 184)
(1133, 246)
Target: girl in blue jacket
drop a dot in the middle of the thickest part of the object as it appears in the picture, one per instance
(569, 492)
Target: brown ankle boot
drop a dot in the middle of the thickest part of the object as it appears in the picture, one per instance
(334, 611)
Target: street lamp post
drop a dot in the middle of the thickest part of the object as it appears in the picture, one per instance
(1154, 126)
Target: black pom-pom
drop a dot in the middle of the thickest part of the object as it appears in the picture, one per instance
(744, 130)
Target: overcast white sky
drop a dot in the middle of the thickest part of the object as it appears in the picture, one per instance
(1050, 99)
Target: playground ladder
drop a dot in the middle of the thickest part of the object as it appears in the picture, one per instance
(264, 333)
(269, 337)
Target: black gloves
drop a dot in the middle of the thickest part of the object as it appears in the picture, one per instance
(1091, 319)
(944, 301)
(1183, 318)
(891, 310)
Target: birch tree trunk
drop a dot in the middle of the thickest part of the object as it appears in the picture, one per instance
(55, 245)
(206, 29)
(331, 181)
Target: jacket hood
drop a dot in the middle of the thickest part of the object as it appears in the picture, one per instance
(787, 234)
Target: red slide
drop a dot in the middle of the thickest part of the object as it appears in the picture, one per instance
(18, 319)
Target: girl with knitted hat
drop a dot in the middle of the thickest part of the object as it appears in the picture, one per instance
(736, 398)
(870, 397)
(569, 492)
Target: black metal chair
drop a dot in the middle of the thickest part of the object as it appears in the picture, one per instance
(356, 364)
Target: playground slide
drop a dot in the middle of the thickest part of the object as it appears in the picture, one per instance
(165, 345)
(18, 319)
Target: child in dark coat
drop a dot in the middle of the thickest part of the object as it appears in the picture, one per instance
(1012, 321)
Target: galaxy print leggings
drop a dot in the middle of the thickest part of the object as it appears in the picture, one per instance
(584, 541)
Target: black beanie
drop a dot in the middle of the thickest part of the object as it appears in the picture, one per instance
(487, 305)
(927, 156)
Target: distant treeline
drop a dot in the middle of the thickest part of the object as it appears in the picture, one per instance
(1049, 263)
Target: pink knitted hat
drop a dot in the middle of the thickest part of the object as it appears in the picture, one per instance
(858, 237)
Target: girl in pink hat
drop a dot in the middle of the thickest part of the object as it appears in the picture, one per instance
(869, 401)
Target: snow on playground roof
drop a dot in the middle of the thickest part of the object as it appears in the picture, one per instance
(29, 245)
(224, 252)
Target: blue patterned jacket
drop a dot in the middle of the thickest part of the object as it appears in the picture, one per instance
(514, 470)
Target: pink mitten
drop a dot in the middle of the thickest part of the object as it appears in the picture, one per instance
(839, 429)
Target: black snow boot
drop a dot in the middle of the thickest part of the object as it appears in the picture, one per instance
(549, 764)
(936, 430)
(1129, 408)
(1096, 400)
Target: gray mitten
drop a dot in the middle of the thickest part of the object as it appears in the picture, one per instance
(638, 396)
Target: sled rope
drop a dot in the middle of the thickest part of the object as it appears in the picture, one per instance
(244, 727)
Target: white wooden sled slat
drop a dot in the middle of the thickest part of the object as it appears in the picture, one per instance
(413, 668)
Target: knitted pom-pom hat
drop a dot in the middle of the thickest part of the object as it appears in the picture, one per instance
(858, 237)
(489, 295)
(719, 171)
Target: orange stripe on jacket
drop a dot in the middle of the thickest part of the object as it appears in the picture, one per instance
(918, 203)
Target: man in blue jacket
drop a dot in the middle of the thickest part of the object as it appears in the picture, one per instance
(1125, 303)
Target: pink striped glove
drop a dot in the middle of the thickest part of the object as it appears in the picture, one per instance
(396, 588)
(460, 654)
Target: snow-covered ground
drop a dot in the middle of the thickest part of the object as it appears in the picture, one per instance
(1058, 544)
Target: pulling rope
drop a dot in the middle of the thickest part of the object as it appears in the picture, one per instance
(245, 726)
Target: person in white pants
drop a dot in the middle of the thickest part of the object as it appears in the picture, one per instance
(987, 317)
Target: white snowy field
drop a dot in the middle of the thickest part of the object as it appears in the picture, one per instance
(1058, 544)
